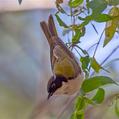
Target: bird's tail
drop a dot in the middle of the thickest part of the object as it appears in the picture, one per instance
(52, 26)
(49, 29)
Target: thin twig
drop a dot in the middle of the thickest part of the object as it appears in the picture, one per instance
(79, 48)
(72, 20)
(98, 44)
(110, 55)
(91, 23)
(77, 52)
(91, 46)
(94, 28)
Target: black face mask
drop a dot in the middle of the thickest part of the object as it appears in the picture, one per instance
(55, 83)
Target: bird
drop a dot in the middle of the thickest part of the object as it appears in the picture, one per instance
(67, 75)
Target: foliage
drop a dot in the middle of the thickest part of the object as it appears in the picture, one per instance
(117, 106)
(82, 15)
(111, 25)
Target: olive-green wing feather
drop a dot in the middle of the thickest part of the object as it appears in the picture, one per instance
(64, 62)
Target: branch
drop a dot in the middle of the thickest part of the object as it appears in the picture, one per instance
(114, 50)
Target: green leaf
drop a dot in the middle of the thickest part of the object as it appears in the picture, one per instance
(88, 9)
(78, 115)
(95, 65)
(86, 20)
(117, 108)
(99, 97)
(76, 37)
(20, 1)
(95, 82)
(97, 6)
(76, 12)
(75, 3)
(85, 62)
(73, 116)
(79, 109)
(60, 21)
(89, 101)
(113, 2)
(78, 34)
(111, 25)
(81, 18)
(80, 103)
(102, 18)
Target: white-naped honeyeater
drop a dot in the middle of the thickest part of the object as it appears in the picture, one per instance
(67, 74)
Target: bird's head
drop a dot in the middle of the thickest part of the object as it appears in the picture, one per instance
(54, 83)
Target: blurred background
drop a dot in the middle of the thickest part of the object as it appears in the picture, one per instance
(25, 64)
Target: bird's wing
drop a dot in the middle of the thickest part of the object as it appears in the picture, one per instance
(64, 62)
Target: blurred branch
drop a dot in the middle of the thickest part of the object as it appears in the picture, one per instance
(100, 110)
(20, 1)
(13, 5)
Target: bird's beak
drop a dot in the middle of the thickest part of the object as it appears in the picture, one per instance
(49, 95)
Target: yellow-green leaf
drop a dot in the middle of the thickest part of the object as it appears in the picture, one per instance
(85, 62)
(75, 3)
(113, 2)
(97, 6)
(111, 25)
(99, 97)
(102, 18)
(60, 21)
(117, 108)
(78, 34)
(95, 65)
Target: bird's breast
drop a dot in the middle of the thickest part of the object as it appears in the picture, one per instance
(70, 87)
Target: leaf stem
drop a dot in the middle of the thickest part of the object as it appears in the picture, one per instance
(110, 55)
(98, 44)
(77, 52)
